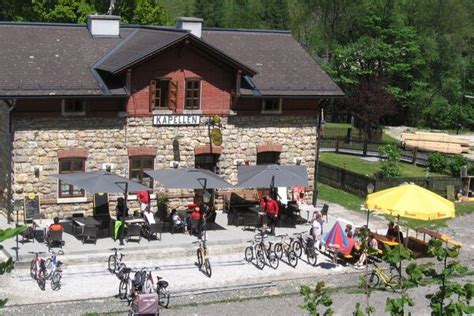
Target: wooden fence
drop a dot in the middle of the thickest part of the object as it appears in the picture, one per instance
(357, 183)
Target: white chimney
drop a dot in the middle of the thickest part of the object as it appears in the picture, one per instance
(194, 25)
(104, 25)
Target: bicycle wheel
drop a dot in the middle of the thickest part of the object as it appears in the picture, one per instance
(41, 281)
(199, 258)
(163, 297)
(124, 288)
(33, 269)
(273, 261)
(48, 268)
(112, 263)
(311, 256)
(292, 258)
(397, 283)
(278, 250)
(207, 266)
(56, 281)
(372, 280)
(249, 254)
(297, 248)
(148, 287)
(259, 258)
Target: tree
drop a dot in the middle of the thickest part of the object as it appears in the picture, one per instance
(276, 15)
(211, 11)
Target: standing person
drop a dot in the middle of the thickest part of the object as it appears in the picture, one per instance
(317, 229)
(121, 211)
(144, 200)
(272, 209)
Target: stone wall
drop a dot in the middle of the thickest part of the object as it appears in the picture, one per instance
(4, 155)
(37, 141)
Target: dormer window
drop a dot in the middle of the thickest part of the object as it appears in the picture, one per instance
(271, 106)
(73, 107)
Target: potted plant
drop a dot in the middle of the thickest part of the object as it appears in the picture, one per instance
(162, 202)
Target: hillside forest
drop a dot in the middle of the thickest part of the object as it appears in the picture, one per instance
(398, 61)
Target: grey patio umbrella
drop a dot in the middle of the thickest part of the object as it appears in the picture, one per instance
(270, 176)
(188, 178)
(101, 182)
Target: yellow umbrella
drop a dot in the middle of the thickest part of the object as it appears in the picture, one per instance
(411, 201)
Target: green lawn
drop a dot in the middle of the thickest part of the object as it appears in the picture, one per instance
(353, 202)
(361, 166)
(337, 125)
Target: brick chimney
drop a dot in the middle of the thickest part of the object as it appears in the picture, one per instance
(194, 25)
(104, 25)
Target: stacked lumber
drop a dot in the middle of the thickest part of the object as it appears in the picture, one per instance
(439, 142)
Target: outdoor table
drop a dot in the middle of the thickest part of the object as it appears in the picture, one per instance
(84, 221)
(437, 235)
(385, 240)
(308, 208)
(43, 224)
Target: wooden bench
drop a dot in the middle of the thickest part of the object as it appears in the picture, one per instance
(418, 247)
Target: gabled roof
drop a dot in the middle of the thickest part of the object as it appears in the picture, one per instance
(50, 59)
(146, 43)
(283, 67)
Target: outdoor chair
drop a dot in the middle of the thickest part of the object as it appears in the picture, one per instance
(77, 214)
(28, 234)
(324, 211)
(55, 239)
(134, 230)
(153, 229)
(89, 232)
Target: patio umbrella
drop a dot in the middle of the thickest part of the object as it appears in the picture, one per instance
(101, 182)
(270, 176)
(188, 178)
(336, 236)
(410, 201)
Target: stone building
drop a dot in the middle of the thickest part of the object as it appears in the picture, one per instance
(129, 98)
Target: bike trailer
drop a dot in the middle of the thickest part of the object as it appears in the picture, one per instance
(145, 304)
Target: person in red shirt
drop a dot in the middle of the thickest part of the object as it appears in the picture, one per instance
(196, 213)
(144, 200)
(273, 210)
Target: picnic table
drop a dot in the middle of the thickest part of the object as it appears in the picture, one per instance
(437, 235)
(385, 240)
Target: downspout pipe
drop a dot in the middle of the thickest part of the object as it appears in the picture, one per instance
(11, 107)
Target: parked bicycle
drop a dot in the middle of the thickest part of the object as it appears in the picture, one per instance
(255, 252)
(160, 288)
(115, 264)
(270, 258)
(38, 270)
(54, 271)
(126, 288)
(394, 281)
(284, 248)
(202, 260)
(302, 245)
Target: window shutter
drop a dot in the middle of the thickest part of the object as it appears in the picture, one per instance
(152, 94)
(173, 94)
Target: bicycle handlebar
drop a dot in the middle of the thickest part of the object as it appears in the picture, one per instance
(36, 252)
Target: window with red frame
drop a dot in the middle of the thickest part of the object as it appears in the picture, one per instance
(137, 167)
(71, 165)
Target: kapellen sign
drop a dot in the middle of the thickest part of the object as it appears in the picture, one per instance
(166, 120)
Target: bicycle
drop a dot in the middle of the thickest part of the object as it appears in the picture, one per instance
(283, 247)
(396, 282)
(115, 261)
(160, 289)
(203, 261)
(125, 287)
(54, 271)
(269, 254)
(302, 246)
(38, 270)
(254, 251)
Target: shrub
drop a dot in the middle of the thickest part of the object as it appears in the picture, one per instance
(390, 165)
(437, 162)
(455, 164)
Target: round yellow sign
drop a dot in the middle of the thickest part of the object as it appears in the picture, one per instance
(216, 136)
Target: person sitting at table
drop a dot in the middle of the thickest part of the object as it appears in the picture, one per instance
(177, 222)
(149, 216)
(352, 244)
(373, 245)
(54, 227)
(398, 234)
(391, 231)
(144, 200)
(121, 211)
